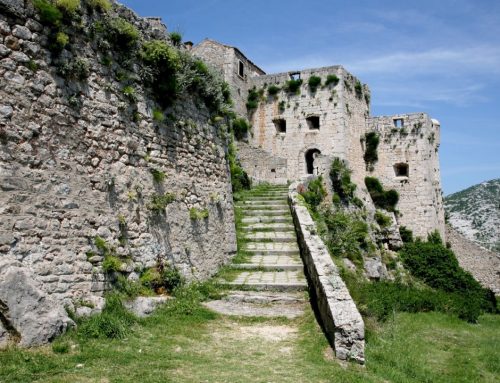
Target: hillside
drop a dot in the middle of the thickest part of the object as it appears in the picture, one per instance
(475, 213)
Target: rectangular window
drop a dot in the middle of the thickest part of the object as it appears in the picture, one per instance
(241, 69)
(398, 123)
(280, 125)
(313, 122)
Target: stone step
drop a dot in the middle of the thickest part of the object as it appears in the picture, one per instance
(266, 267)
(260, 304)
(277, 227)
(269, 281)
(267, 198)
(272, 236)
(262, 203)
(267, 219)
(245, 208)
(272, 247)
(269, 212)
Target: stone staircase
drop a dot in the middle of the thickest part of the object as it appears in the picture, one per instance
(270, 281)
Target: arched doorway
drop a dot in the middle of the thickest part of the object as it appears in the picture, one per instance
(310, 156)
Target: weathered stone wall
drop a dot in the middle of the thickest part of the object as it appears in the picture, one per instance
(226, 59)
(339, 315)
(329, 103)
(76, 162)
(415, 144)
(483, 264)
(261, 166)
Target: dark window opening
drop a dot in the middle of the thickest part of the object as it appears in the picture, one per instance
(295, 76)
(401, 170)
(313, 122)
(273, 170)
(241, 69)
(399, 123)
(311, 155)
(280, 125)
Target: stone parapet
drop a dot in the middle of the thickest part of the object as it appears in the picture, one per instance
(339, 316)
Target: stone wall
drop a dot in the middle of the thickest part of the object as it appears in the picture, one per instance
(415, 144)
(261, 166)
(339, 315)
(78, 158)
(227, 60)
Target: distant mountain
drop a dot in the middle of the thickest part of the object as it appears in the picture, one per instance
(475, 213)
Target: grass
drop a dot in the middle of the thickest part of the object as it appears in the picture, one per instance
(184, 342)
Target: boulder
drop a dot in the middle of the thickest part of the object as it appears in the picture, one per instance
(144, 306)
(15, 7)
(28, 314)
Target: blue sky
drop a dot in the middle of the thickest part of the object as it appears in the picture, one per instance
(441, 57)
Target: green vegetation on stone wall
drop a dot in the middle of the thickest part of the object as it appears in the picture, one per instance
(383, 199)
(293, 86)
(340, 177)
(371, 144)
(314, 82)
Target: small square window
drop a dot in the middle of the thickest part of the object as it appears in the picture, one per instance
(295, 76)
(399, 123)
(401, 170)
(280, 125)
(313, 122)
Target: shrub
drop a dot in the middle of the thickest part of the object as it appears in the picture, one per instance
(315, 193)
(314, 82)
(58, 42)
(406, 234)
(198, 214)
(332, 79)
(175, 38)
(347, 235)
(69, 7)
(438, 267)
(239, 178)
(129, 92)
(101, 5)
(113, 322)
(159, 202)
(78, 69)
(163, 62)
(123, 35)
(273, 90)
(293, 86)
(111, 263)
(340, 177)
(382, 219)
(158, 175)
(252, 99)
(49, 13)
(158, 115)
(240, 128)
(372, 140)
(160, 278)
(381, 198)
(358, 88)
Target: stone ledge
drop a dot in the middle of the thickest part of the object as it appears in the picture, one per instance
(341, 320)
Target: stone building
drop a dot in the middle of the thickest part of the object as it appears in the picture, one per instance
(297, 132)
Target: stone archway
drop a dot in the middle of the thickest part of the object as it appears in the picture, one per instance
(310, 156)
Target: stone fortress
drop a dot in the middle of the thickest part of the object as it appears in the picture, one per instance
(297, 134)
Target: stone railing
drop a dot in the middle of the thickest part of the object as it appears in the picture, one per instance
(338, 313)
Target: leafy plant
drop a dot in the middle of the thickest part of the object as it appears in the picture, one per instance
(161, 278)
(252, 99)
(384, 199)
(49, 14)
(281, 106)
(406, 234)
(101, 5)
(273, 90)
(315, 192)
(293, 86)
(159, 202)
(129, 92)
(68, 7)
(371, 156)
(123, 35)
(58, 42)
(340, 177)
(358, 88)
(60, 347)
(314, 82)
(382, 219)
(163, 62)
(239, 178)
(158, 175)
(78, 69)
(158, 115)
(198, 214)
(332, 79)
(111, 263)
(240, 128)
(176, 38)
